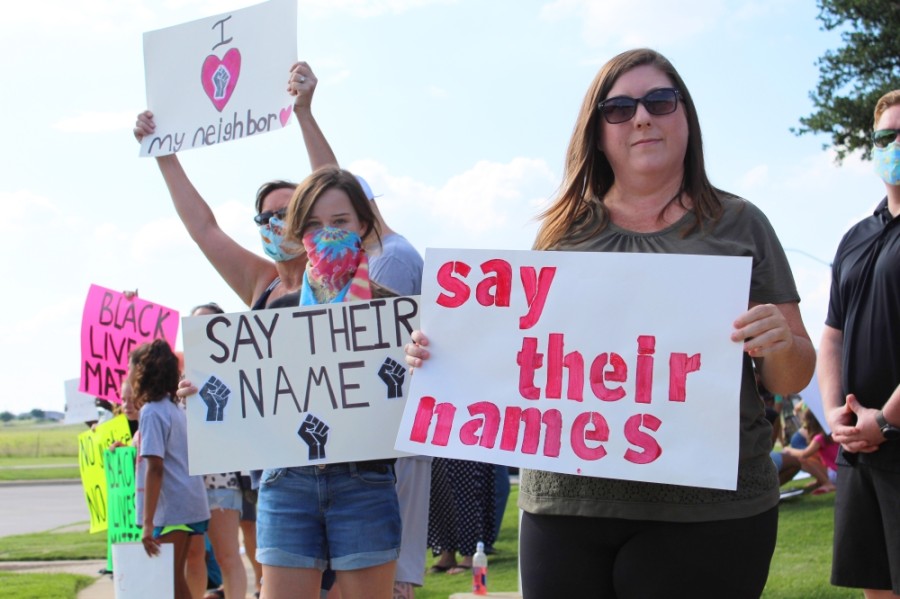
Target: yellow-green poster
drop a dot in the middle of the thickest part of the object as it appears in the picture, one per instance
(91, 445)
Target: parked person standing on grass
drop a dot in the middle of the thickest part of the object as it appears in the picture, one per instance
(635, 182)
(859, 378)
(174, 506)
(398, 266)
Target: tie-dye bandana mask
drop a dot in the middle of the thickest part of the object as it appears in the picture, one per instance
(337, 269)
(887, 163)
(274, 244)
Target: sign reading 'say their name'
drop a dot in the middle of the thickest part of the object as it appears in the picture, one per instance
(297, 386)
(598, 364)
(220, 78)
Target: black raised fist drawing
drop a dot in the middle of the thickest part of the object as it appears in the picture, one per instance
(220, 80)
(215, 395)
(393, 374)
(314, 433)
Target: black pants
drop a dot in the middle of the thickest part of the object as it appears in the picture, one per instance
(611, 558)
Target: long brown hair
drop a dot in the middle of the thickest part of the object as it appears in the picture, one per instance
(578, 213)
(311, 189)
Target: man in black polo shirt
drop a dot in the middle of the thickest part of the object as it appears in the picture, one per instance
(859, 377)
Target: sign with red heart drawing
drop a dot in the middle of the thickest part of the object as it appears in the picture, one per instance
(242, 59)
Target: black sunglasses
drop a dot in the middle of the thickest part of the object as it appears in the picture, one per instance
(263, 217)
(883, 137)
(622, 108)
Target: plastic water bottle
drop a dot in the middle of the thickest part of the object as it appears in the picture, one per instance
(479, 570)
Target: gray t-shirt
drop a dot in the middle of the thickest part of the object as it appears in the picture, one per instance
(398, 267)
(163, 432)
(743, 230)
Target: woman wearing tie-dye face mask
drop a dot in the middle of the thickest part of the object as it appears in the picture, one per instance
(357, 532)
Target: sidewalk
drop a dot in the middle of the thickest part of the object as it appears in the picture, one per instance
(102, 588)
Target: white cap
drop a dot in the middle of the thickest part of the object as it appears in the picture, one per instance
(366, 188)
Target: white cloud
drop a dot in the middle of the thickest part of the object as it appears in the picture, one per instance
(491, 205)
(96, 122)
(622, 23)
(755, 177)
(85, 16)
(20, 206)
(437, 92)
(366, 8)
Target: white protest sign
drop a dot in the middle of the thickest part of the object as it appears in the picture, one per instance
(297, 386)
(136, 575)
(812, 399)
(80, 407)
(220, 78)
(599, 364)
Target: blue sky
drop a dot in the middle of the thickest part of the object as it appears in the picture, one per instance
(457, 112)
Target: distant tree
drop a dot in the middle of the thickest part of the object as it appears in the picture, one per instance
(853, 77)
(37, 414)
(6, 416)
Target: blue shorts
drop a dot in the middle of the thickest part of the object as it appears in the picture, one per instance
(224, 499)
(343, 516)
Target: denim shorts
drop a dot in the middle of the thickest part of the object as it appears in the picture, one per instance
(344, 516)
(224, 499)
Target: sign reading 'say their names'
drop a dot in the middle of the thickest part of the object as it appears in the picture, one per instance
(297, 386)
(598, 364)
(220, 78)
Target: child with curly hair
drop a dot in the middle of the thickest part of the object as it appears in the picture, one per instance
(175, 505)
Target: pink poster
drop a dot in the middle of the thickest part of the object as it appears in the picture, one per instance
(111, 326)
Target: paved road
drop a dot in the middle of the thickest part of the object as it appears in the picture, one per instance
(28, 508)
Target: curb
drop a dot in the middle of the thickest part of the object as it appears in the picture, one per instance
(38, 483)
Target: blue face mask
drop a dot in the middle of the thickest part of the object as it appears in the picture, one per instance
(887, 163)
(274, 244)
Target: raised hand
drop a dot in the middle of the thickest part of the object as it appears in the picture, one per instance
(314, 433)
(215, 395)
(393, 374)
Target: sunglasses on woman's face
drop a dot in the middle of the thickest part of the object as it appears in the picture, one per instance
(883, 137)
(622, 108)
(263, 217)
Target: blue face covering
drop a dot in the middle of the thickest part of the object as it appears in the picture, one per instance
(274, 244)
(887, 163)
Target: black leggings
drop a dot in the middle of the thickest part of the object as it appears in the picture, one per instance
(612, 558)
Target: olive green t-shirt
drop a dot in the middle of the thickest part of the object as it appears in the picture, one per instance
(742, 230)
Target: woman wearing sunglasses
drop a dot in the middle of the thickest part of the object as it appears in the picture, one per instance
(635, 182)
(256, 280)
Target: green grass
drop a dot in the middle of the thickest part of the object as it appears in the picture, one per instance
(53, 545)
(801, 565)
(36, 440)
(502, 566)
(30, 474)
(45, 586)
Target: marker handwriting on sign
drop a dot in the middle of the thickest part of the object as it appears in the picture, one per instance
(604, 374)
(523, 430)
(495, 289)
(361, 327)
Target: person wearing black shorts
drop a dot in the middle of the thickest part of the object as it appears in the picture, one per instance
(859, 378)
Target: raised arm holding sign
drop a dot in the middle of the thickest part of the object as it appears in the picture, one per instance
(314, 402)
